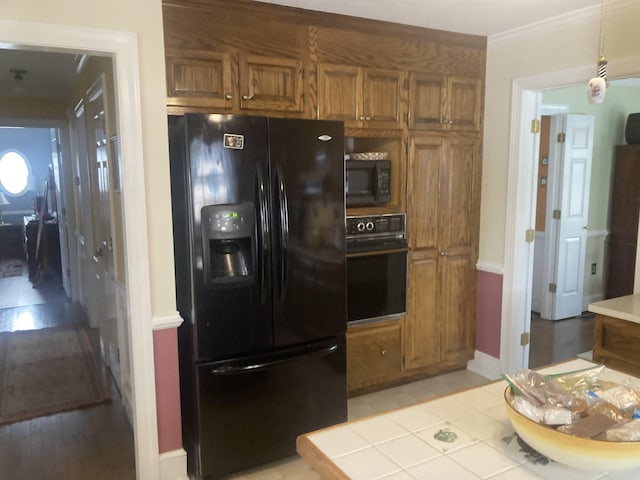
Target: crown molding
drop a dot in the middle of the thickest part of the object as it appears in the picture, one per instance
(555, 24)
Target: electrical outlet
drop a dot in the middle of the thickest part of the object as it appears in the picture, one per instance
(593, 269)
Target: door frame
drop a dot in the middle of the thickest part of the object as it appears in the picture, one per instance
(123, 47)
(526, 102)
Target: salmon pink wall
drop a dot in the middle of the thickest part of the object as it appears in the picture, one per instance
(489, 313)
(165, 353)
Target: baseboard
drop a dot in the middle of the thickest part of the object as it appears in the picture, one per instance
(173, 465)
(586, 301)
(485, 365)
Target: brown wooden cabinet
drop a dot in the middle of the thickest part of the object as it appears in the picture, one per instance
(615, 344)
(196, 78)
(374, 354)
(208, 79)
(443, 218)
(623, 228)
(360, 97)
(444, 102)
(408, 91)
(270, 83)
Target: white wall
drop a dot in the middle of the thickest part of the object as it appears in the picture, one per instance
(549, 47)
(145, 18)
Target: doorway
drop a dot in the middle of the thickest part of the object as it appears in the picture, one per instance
(123, 48)
(518, 267)
(74, 217)
(559, 330)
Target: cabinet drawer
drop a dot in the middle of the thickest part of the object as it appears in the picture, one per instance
(373, 354)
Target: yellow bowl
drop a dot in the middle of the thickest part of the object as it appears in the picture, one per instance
(576, 452)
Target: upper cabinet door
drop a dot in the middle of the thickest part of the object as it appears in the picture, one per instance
(441, 102)
(199, 78)
(381, 99)
(427, 93)
(340, 93)
(464, 105)
(270, 83)
(360, 97)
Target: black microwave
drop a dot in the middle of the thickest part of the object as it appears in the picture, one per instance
(368, 182)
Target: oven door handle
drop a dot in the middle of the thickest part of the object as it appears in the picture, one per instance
(370, 253)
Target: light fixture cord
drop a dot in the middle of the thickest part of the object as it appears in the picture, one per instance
(602, 59)
(603, 16)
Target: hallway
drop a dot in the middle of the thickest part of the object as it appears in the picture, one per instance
(95, 442)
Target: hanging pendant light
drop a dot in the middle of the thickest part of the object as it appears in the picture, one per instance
(597, 87)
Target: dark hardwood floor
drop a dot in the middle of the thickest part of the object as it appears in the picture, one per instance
(559, 340)
(90, 443)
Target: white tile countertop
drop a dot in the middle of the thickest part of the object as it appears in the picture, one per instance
(624, 308)
(463, 436)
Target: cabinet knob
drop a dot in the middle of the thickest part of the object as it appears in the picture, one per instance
(247, 97)
(444, 253)
(450, 122)
(383, 352)
(362, 118)
(367, 118)
(228, 96)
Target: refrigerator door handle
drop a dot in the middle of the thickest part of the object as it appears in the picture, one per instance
(256, 365)
(284, 232)
(264, 232)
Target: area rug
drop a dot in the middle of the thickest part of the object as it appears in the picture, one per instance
(47, 371)
(11, 268)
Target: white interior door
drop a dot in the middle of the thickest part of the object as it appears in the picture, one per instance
(102, 239)
(57, 161)
(568, 213)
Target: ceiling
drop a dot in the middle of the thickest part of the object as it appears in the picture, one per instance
(477, 17)
(50, 75)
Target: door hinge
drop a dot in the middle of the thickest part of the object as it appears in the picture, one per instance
(562, 137)
(552, 288)
(529, 235)
(524, 339)
(535, 126)
(556, 214)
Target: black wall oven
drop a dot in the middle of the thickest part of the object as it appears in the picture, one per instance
(376, 267)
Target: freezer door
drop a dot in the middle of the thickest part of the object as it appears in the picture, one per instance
(252, 409)
(228, 181)
(308, 229)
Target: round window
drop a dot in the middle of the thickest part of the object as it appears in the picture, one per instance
(14, 172)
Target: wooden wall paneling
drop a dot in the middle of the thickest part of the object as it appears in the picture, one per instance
(399, 52)
(311, 78)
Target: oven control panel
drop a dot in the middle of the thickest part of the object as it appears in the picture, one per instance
(392, 224)
(375, 231)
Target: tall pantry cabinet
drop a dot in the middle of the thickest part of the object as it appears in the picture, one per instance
(444, 187)
(414, 93)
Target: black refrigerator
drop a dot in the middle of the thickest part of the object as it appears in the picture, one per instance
(259, 238)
